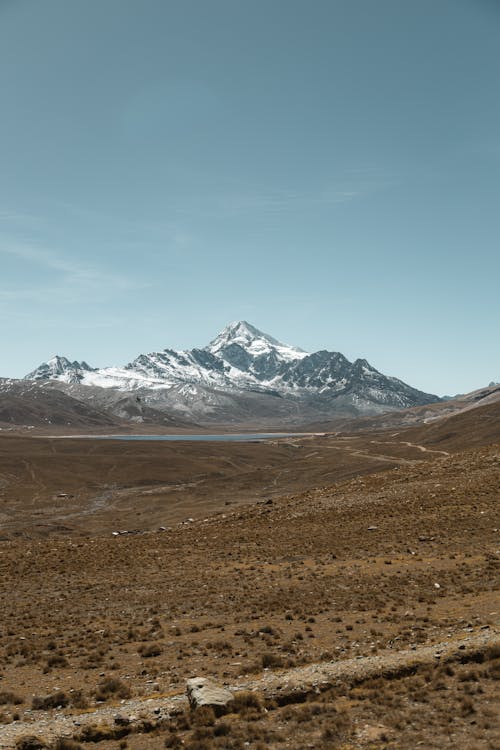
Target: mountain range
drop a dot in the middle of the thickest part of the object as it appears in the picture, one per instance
(243, 375)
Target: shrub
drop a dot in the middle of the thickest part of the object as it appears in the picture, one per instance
(30, 742)
(271, 660)
(64, 743)
(222, 729)
(99, 732)
(152, 649)
(78, 699)
(492, 652)
(267, 629)
(7, 697)
(247, 704)
(204, 716)
(57, 660)
(112, 686)
(173, 740)
(46, 702)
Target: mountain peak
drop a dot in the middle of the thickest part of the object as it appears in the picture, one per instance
(58, 359)
(247, 336)
(242, 329)
(60, 368)
(244, 347)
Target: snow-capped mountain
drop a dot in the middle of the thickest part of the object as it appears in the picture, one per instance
(241, 360)
(248, 350)
(60, 368)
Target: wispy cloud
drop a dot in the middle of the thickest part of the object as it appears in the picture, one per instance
(87, 217)
(16, 217)
(284, 200)
(69, 270)
(236, 200)
(22, 314)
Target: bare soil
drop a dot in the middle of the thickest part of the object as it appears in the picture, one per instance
(338, 550)
(85, 486)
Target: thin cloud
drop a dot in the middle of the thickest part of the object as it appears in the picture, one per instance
(17, 216)
(357, 183)
(231, 204)
(73, 272)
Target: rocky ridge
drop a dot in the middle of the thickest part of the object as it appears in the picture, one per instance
(242, 374)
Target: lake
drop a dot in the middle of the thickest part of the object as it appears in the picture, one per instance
(241, 437)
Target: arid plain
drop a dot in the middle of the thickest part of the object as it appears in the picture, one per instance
(344, 586)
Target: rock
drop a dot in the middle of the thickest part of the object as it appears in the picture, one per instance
(203, 692)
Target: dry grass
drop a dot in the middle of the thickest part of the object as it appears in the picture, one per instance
(334, 572)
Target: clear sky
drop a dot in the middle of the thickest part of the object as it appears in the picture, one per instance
(328, 170)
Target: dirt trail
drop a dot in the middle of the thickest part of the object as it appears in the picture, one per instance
(385, 457)
(410, 445)
(284, 686)
(424, 449)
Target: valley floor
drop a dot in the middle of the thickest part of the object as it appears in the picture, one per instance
(360, 613)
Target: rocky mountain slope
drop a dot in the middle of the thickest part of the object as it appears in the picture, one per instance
(28, 404)
(418, 415)
(242, 375)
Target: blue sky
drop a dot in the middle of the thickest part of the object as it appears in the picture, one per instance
(327, 170)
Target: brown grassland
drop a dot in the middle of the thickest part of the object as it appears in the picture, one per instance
(342, 550)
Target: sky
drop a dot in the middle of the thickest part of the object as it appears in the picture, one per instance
(328, 170)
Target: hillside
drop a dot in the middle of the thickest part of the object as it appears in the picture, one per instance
(26, 404)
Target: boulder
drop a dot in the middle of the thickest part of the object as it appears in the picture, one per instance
(202, 691)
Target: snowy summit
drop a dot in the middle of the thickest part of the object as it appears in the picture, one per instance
(254, 342)
(243, 360)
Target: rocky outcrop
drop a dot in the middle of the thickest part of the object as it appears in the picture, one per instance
(203, 692)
